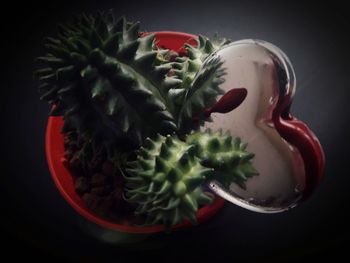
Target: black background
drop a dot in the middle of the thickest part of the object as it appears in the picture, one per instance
(37, 222)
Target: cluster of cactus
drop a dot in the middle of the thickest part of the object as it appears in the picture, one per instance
(114, 87)
(111, 84)
(166, 179)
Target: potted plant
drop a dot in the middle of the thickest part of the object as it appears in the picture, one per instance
(123, 140)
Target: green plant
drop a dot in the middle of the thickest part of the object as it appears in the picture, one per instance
(112, 85)
(107, 82)
(227, 155)
(201, 74)
(165, 181)
(115, 89)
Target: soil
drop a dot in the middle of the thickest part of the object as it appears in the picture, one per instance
(98, 182)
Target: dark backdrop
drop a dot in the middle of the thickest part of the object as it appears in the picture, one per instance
(36, 220)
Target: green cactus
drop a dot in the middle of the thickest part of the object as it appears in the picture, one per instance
(114, 86)
(116, 90)
(201, 74)
(227, 155)
(165, 181)
(106, 81)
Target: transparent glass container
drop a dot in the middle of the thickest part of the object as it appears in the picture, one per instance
(268, 76)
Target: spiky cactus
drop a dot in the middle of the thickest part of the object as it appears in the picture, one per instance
(165, 181)
(227, 155)
(112, 85)
(106, 81)
(201, 75)
(115, 88)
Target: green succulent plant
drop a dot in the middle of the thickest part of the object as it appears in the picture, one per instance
(106, 81)
(201, 75)
(112, 85)
(227, 155)
(115, 89)
(165, 181)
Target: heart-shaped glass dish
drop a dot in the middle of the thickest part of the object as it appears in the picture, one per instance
(288, 156)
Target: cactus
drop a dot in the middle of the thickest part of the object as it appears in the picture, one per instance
(113, 86)
(165, 181)
(115, 90)
(106, 81)
(201, 74)
(227, 155)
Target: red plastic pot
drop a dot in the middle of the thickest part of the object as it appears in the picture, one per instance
(64, 180)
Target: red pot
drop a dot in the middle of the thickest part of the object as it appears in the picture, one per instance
(64, 180)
